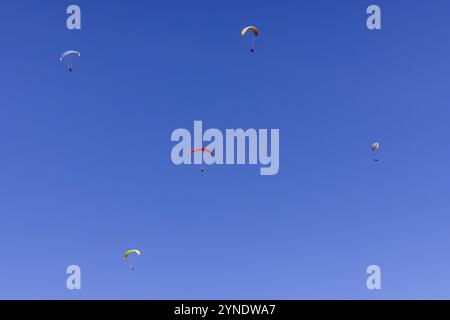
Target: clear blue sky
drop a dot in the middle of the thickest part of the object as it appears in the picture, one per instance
(85, 169)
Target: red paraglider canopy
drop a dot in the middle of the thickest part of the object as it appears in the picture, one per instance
(202, 149)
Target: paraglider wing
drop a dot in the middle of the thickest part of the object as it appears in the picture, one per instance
(252, 29)
(202, 149)
(375, 146)
(126, 254)
(68, 53)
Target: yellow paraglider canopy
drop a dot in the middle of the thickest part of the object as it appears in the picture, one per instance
(252, 29)
(126, 254)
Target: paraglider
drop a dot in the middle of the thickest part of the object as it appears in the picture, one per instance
(255, 32)
(375, 147)
(66, 57)
(203, 150)
(129, 252)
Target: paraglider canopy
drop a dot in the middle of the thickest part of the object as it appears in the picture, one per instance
(127, 253)
(375, 146)
(68, 53)
(250, 28)
(202, 149)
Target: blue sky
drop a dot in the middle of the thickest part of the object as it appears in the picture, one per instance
(85, 168)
